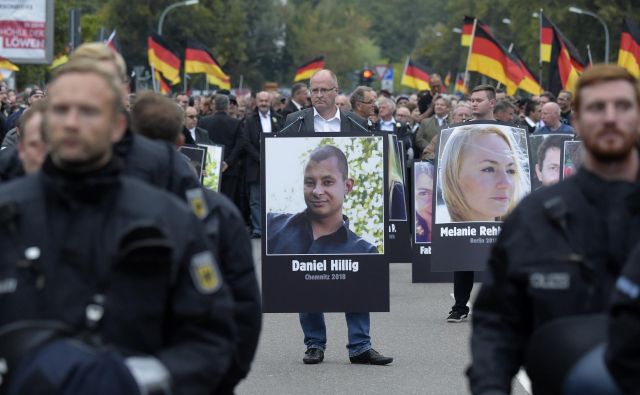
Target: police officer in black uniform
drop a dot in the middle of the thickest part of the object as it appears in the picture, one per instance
(562, 249)
(157, 117)
(125, 266)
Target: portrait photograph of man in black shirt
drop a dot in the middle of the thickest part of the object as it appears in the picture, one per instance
(322, 228)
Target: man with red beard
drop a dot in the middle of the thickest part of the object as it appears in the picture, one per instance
(561, 250)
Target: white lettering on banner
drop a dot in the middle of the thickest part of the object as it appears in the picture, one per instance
(490, 230)
(313, 266)
(337, 265)
(425, 250)
(455, 231)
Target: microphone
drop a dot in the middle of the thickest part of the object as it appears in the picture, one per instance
(300, 118)
(358, 125)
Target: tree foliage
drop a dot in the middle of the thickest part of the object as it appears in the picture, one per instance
(265, 40)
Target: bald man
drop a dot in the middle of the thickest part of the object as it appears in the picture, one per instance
(552, 120)
(324, 115)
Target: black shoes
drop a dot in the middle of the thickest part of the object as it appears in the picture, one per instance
(313, 356)
(456, 316)
(371, 357)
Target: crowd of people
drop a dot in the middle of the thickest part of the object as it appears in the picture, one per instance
(96, 154)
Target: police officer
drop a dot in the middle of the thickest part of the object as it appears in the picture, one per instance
(158, 117)
(561, 250)
(126, 266)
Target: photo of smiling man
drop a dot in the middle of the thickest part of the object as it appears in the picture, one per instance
(322, 228)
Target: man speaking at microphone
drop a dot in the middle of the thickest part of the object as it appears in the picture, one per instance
(325, 116)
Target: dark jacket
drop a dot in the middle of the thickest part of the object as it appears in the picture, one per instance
(623, 347)
(202, 137)
(225, 130)
(292, 234)
(10, 164)
(161, 290)
(251, 134)
(226, 230)
(558, 255)
(155, 162)
(289, 109)
(349, 122)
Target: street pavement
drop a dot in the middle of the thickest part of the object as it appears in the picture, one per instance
(430, 354)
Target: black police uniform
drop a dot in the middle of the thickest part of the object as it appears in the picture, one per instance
(156, 162)
(559, 254)
(76, 241)
(10, 164)
(623, 347)
(292, 234)
(226, 229)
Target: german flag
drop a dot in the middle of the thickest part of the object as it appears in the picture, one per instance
(163, 58)
(529, 83)
(629, 54)
(566, 63)
(163, 83)
(490, 58)
(546, 38)
(460, 85)
(305, 71)
(223, 82)
(447, 79)
(198, 59)
(5, 64)
(415, 76)
(467, 31)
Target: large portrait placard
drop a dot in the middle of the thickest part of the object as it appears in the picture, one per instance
(197, 157)
(324, 204)
(572, 158)
(545, 158)
(398, 249)
(423, 186)
(482, 173)
(212, 173)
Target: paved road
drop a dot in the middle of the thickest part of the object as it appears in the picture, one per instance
(430, 354)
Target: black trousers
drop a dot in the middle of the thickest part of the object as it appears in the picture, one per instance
(462, 285)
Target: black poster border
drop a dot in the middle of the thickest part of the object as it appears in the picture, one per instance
(463, 246)
(399, 244)
(326, 289)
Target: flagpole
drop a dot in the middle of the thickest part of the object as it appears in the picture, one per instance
(153, 78)
(540, 49)
(466, 68)
(589, 55)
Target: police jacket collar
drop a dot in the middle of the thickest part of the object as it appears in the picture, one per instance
(601, 192)
(89, 186)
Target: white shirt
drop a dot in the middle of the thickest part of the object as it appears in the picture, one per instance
(326, 125)
(295, 103)
(193, 134)
(441, 120)
(387, 126)
(265, 121)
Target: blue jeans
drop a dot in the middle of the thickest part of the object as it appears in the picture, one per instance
(254, 206)
(315, 331)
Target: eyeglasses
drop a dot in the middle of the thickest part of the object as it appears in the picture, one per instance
(317, 91)
(192, 116)
(367, 102)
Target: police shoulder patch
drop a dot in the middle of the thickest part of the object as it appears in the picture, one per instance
(204, 273)
(197, 202)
